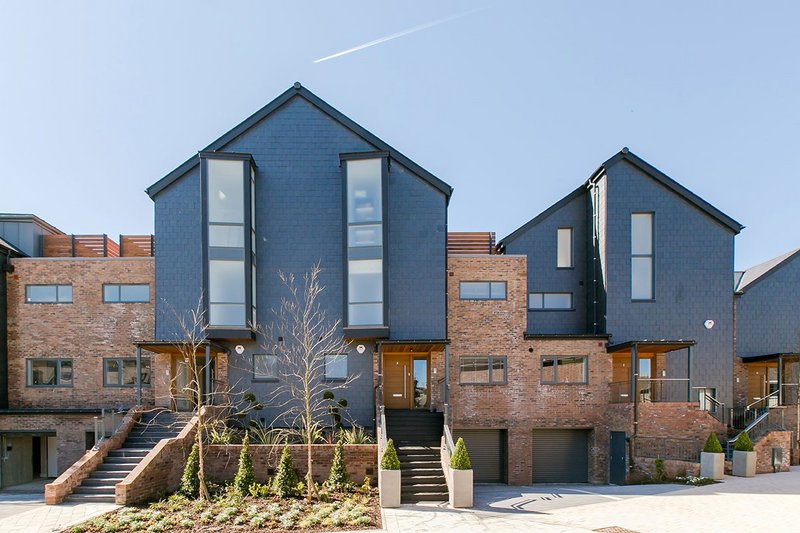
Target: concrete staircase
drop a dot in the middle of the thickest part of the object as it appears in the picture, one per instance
(145, 434)
(417, 436)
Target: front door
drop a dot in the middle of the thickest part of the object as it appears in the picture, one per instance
(618, 463)
(406, 381)
(184, 386)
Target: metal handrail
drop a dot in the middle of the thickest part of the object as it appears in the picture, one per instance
(765, 398)
(448, 435)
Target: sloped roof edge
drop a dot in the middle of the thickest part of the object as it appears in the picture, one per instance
(763, 270)
(538, 219)
(298, 90)
(670, 184)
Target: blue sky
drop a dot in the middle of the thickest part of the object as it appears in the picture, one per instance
(513, 104)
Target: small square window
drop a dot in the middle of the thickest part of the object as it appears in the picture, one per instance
(550, 301)
(131, 293)
(265, 366)
(121, 372)
(482, 290)
(336, 366)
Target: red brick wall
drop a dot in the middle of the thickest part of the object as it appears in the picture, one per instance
(763, 448)
(70, 430)
(86, 330)
(361, 461)
(497, 327)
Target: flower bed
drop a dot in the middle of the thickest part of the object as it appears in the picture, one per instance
(227, 512)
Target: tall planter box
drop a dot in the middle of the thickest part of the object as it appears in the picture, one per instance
(389, 487)
(712, 465)
(460, 488)
(744, 463)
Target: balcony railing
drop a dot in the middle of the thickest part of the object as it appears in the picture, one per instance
(652, 390)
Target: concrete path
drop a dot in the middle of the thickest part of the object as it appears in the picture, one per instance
(737, 504)
(27, 513)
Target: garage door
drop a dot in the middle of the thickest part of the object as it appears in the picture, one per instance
(487, 452)
(560, 455)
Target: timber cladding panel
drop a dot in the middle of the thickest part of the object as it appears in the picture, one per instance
(86, 330)
(524, 403)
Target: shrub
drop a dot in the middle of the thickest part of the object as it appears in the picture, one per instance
(356, 435)
(460, 458)
(712, 444)
(743, 443)
(338, 480)
(258, 490)
(661, 472)
(245, 476)
(190, 481)
(389, 461)
(286, 481)
(222, 434)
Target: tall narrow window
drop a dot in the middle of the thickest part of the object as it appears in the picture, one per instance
(230, 186)
(642, 267)
(564, 241)
(365, 272)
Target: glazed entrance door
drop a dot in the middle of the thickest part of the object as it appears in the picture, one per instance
(397, 381)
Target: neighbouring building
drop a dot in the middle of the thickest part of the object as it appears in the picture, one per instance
(72, 309)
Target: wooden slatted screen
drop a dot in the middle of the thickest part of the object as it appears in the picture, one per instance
(470, 243)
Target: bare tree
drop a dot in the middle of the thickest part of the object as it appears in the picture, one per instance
(301, 336)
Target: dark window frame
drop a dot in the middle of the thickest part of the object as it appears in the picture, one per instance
(119, 361)
(556, 359)
(346, 367)
(59, 361)
(651, 255)
(119, 291)
(571, 248)
(489, 282)
(264, 379)
(57, 286)
(490, 359)
(551, 309)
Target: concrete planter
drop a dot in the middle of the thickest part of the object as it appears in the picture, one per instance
(712, 465)
(460, 488)
(744, 463)
(389, 487)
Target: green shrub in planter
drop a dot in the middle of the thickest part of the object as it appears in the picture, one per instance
(286, 481)
(712, 444)
(460, 458)
(190, 481)
(338, 480)
(389, 461)
(743, 443)
(245, 476)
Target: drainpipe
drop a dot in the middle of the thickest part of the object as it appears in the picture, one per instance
(5, 268)
(138, 375)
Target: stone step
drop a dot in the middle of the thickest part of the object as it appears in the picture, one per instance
(94, 489)
(122, 460)
(128, 452)
(109, 468)
(422, 480)
(91, 498)
(100, 481)
(414, 465)
(424, 497)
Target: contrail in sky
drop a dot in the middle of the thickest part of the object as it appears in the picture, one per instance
(401, 33)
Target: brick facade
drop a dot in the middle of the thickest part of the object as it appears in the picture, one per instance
(86, 330)
(524, 403)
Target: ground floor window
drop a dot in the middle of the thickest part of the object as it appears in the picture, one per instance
(336, 366)
(121, 372)
(565, 369)
(49, 372)
(486, 370)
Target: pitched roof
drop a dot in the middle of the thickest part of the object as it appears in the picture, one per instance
(757, 273)
(538, 219)
(298, 91)
(669, 183)
(648, 169)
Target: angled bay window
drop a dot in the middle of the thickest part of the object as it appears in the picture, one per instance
(230, 239)
(364, 201)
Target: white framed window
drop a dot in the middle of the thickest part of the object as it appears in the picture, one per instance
(642, 257)
(564, 248)
(550, 301)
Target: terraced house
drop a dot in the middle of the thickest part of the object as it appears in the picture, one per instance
(600, 335)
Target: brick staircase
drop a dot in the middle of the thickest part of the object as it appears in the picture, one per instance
(417, 436)
(145, 434)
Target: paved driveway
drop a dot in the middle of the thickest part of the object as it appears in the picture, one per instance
(27, 513)
(737, 504)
